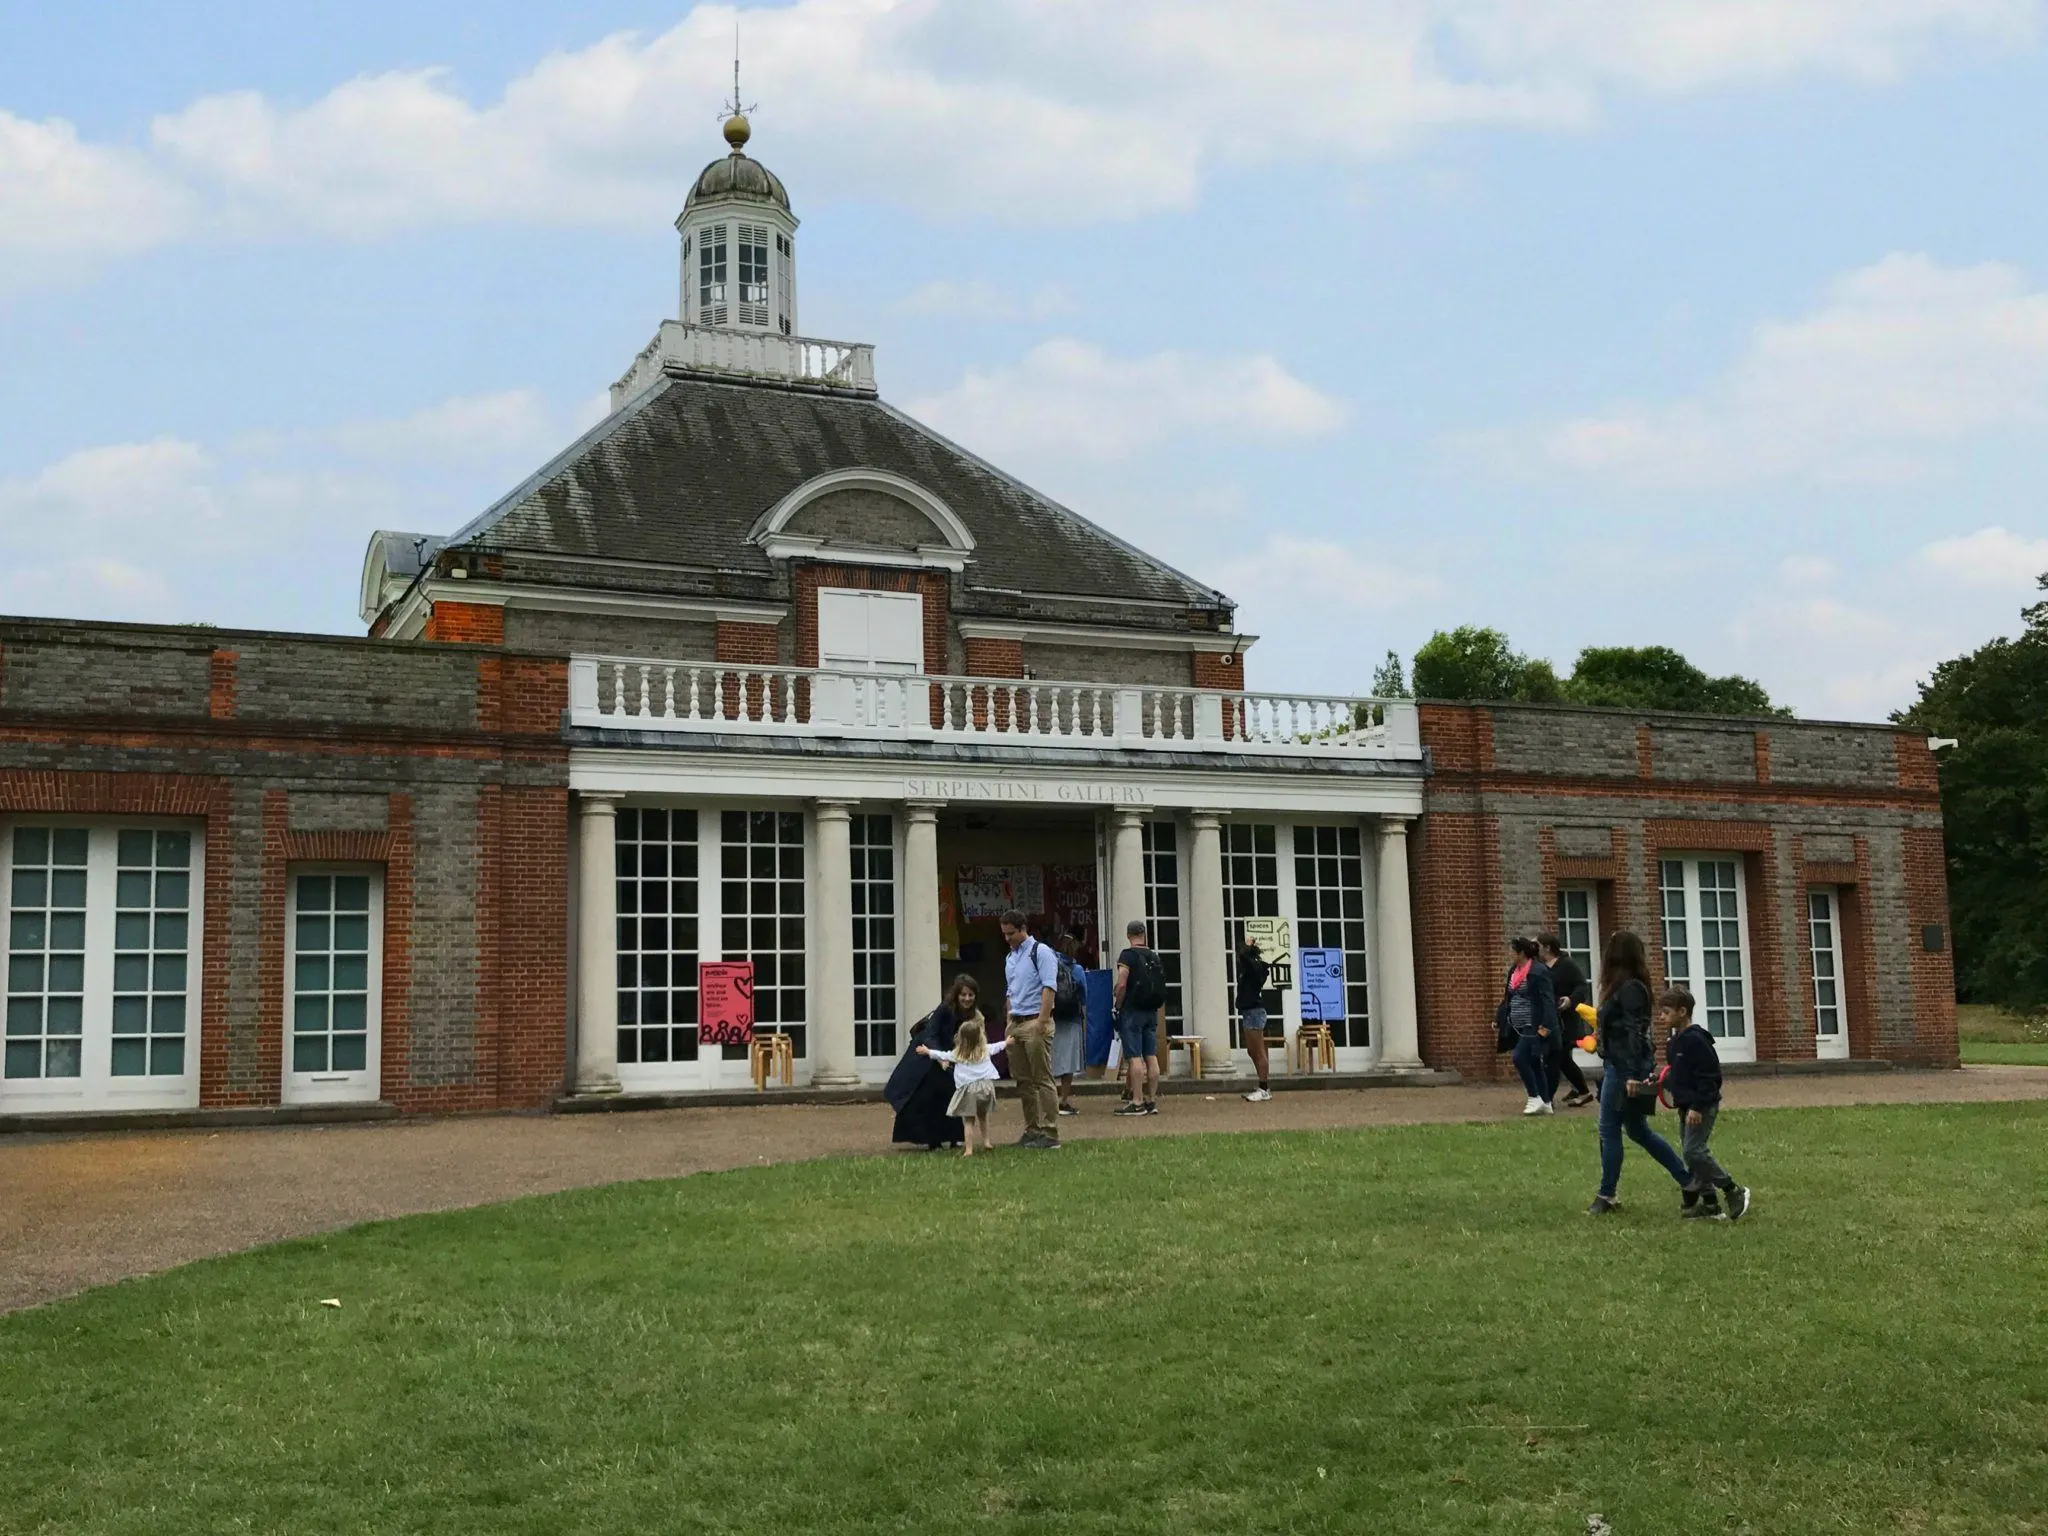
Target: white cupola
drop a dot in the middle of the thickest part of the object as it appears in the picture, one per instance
(739, 244)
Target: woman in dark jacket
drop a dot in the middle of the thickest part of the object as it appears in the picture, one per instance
(920, 1088)
(1628, 1084)
(1531, 1004)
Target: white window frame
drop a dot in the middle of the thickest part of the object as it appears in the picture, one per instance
(1594, 951)
(348, 1087)
(1824, 942)
(96, 1089)
(1740, 1047)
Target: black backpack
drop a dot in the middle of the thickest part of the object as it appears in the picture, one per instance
(1145, 987)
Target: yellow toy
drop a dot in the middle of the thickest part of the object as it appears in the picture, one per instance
(1590, 1017)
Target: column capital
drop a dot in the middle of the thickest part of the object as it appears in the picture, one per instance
(597, 802)
(1206, 821)
(1129, 815)
(923, 810)
(833, 810)
(1392, 826)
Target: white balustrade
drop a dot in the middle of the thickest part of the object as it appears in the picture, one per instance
(627, 693)
(747, 354)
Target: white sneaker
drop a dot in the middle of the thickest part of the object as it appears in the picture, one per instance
(1533, 1107)
(1258, 1096)
(1549, 1108)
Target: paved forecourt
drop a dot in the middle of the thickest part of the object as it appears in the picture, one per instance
(83, 1209)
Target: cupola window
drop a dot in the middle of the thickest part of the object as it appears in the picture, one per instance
(711, 300)
(785, 305)
(753, 295)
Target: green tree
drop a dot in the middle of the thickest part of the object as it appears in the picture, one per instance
(1994, 803)
(1389, 679)
(1657, 677)
(1473, 663)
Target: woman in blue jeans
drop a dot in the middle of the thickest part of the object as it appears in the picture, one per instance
(1630, 1060)
(1532, 1013)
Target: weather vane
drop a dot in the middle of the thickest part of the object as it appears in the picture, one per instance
(735, 107)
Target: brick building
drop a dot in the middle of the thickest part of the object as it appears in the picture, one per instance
(761, 669)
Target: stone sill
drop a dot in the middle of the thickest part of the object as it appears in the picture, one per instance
(199, 1119)
(871, 1093)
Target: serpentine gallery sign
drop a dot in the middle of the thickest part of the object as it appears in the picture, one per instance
(1027, 792)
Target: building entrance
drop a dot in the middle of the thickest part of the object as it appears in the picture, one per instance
(1047, 866)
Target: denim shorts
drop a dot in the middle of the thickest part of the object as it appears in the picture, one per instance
(1138, 1029)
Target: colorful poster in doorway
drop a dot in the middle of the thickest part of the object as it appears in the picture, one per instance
(990, 890)
(949, 921)
(1322, 986)
(725, 1002)
(1070, 892)
(1276, 947)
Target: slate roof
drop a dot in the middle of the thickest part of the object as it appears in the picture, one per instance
(680, 475)
(738, 175)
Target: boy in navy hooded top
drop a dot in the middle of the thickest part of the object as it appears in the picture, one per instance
(1693, 1079)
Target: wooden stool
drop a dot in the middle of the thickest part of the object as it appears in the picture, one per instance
(1313, 1044)
(770, 1055)
(1194, 1050)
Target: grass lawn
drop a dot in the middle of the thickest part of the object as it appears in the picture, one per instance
(1346, 1332)
(1992, 1037)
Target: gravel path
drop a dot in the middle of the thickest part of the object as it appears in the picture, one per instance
(78, 1210)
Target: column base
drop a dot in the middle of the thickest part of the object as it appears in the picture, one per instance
(1215, 1071)
(1416, 1065)
(586, 1087)
(836, 1080)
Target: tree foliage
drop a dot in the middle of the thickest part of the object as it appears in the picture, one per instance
(1474, 663)
(1994, 802)
(1481, 664)
(1389, 678)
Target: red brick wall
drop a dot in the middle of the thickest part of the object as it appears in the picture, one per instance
(477, 623)
(1458, 941)
(995, 658)
(1934, 978)
(748, 645)
(1219, 669)
(220, 702)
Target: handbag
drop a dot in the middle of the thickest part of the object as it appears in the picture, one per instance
(1503, 1031)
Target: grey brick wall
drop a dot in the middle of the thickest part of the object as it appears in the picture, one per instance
(562, 634)
(1718, 754)
(39, 677)
(865, 517)
(322, 810)
(308, 681)
(1832, 754)
(1110, 664)
(444, 957)
(1564, 742)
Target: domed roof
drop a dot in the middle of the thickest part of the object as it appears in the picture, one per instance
(737, 175)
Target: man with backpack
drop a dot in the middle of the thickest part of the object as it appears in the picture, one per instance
(1140, 992)
(1031, 980)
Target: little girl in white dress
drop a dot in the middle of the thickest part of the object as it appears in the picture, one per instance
(974, 1080)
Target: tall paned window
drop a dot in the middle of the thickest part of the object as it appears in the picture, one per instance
(753, 258)
(657, 896)
(1824, 928)
(1702, 920)
(46, 953)
(1578, 917)
(102, 1004)
(1329, 906)
(785, 307)
(336, 923)
(1162, 910)
(1251, 888)
(761, 914)
(711, 300)
(874, 936)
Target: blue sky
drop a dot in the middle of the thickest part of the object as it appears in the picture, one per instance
(1714, 323)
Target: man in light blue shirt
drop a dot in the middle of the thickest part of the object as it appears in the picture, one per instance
(1031, 977)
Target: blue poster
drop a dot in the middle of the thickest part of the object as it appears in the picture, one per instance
(1322, 985)
(1101, 987)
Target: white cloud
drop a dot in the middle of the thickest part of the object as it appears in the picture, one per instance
(980, 299)
(1993, 559)
(1069, 400)
(1906, 358)
(1082, 111)
(252, 532)
(1288, 571)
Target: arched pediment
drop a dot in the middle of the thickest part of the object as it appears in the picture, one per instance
(870, 515)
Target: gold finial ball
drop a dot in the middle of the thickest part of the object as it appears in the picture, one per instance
(737, 131)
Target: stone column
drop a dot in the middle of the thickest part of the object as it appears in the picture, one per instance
(1203, 968)
(597, 944)
(1126, 878)
(831, 1014)
(922, 979)
(1393, 989)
